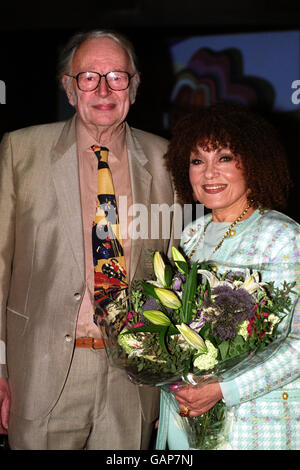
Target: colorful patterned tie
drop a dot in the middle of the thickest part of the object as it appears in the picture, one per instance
(108, 252)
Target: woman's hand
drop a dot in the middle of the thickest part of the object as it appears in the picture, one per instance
(198, 398)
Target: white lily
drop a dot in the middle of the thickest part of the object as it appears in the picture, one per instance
(191, 337)
(213, 280)
(274, 320)
(251, 282)
(129, 342)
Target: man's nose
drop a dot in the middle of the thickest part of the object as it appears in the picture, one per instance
(103, 89)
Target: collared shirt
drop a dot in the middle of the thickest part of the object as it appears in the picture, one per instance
(88, 167)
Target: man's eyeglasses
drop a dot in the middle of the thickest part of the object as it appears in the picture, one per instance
(89, 81)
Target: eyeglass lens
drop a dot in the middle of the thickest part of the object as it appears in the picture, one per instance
(89, 81)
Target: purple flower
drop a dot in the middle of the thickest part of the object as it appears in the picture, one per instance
(198, 322)
(227, 309)
(177, 283)
(151, 304)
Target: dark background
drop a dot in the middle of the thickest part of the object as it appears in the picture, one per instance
(31, 37)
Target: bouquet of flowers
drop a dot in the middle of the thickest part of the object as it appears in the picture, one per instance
(191, 325)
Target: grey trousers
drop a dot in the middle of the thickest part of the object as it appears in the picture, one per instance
(99, 409)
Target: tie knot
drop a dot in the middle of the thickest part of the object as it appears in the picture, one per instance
(100, 152)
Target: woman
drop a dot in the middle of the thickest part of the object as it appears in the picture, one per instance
(230, 160)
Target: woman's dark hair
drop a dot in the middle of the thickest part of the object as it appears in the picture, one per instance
(249, 137)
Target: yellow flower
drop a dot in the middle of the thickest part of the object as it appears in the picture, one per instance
(159, 269)
(168, 298)
(192, 337)
(177, 257)
(156, 317)
(274, 320)
(242, 330)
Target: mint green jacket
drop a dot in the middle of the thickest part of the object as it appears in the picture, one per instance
(264, 401)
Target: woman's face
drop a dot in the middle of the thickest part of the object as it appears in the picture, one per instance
(218, 182)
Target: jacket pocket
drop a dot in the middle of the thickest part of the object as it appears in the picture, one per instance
(16, 323)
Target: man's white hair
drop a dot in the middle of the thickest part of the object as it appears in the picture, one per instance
(68, 52)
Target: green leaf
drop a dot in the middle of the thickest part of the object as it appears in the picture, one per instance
(183, 267)
(223, 348)
(179, 260)
(168, 275)
(205, 330)
(237, 346)
(208, 289)
(162, 339)
(189, 294)
(149, 289)
(172, 330)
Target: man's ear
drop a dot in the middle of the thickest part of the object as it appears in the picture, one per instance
(134, 87)
(66, 83)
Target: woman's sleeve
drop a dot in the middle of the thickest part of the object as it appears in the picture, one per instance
(283, 366)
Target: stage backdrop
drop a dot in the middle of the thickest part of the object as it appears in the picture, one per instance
(256, 69)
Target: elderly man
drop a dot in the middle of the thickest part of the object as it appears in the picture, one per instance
(57, 389)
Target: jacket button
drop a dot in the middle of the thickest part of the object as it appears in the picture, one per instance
(68, 338)
(77, 296)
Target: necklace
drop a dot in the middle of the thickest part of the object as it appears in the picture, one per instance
(229, 232)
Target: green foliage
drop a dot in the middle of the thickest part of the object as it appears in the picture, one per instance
(189, 295)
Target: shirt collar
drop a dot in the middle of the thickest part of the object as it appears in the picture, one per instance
(85, 140)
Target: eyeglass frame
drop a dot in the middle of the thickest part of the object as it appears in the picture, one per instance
(100, 75)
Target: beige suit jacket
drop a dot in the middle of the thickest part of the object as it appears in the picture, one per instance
(42, 277)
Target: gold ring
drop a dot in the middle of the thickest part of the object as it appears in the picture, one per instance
(185, 412)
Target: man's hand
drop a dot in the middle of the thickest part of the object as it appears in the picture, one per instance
(4, 405)
(198, 399)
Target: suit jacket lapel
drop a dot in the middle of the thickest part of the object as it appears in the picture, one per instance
(140, 180)
(66, 181)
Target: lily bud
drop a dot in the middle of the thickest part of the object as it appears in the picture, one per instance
(159, 268)
(178, 258)
(192, 337)
(168, 298)
(156, 317)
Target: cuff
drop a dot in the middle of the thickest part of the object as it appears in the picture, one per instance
(230, 392)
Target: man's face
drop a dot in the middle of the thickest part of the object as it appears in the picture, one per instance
(103, 107)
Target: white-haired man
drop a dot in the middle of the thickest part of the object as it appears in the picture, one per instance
(57, 388)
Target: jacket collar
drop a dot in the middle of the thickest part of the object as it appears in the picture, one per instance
(141, 180)
(66, 182)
